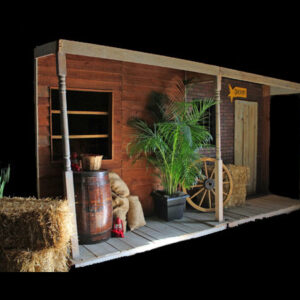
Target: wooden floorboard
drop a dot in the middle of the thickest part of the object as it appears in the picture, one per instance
(189, 225)
(230, 216)
(101, 249)
(85, 253)
(119, 244)
(270, 206)
(165, 229)
(149, 233)
(203, 218)
(157, 233)
(135, 240)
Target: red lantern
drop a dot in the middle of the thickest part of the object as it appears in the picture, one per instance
(118, 229)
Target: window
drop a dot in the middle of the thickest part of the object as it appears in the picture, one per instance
(90, 123)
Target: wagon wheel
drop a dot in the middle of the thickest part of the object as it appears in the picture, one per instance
(203, 194)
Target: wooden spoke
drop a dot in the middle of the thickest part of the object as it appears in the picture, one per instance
(212, 173)
(226, 182)
(209, 198)
(198, 186)
(205, 168)
(197, 193)
(203, 196)
(225, 193)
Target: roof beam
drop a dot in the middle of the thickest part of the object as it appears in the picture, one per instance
(250, 77)
(281, 91)
(105, 52)
(79, 48)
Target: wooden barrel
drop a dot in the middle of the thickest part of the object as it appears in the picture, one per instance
(93, 206)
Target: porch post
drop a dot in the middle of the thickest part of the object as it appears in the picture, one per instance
(219, 169)
(67, 174)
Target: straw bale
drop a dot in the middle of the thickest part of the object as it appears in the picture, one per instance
(135, 216)
(240, 174)
(118, 186)
(35, 224)
(120, 209)
(240, 178)
(46, 260)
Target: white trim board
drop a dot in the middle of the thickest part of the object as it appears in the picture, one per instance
(278, 86)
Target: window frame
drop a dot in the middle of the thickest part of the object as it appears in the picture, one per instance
(110, 113)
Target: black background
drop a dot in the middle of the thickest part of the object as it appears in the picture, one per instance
(263, 42)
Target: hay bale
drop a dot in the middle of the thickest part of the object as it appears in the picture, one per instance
(240, 174)
(135, 214)
(120, 209)
(240, 178)
(46, 260)
(35, 224)
(118, 186)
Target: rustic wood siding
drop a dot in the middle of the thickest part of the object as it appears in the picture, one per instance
(131, 85)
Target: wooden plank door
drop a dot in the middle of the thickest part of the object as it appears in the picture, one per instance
(245, 139)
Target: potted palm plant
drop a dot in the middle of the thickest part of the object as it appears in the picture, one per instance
(171, 145)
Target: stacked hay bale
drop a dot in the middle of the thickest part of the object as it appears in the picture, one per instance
(125, 206)
(34, 235)
(240, 178)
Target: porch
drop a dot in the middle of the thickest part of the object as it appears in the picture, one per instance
(194, 224)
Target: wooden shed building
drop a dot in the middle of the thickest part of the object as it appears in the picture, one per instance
(122, 80)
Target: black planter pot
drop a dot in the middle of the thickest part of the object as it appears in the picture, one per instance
(169, 207)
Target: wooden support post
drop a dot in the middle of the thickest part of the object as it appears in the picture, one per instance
(36, 116)
(219, 163)
(67, 174)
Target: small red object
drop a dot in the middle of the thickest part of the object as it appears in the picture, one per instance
(74, 155)
(118, 230)
(75, 166)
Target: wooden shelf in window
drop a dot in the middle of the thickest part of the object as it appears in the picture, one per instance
(75, 112)
(87, 136)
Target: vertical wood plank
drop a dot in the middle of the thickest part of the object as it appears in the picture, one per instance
(245, 142)
(255, 125)
(251, 144)
(238, 134)
(245, 148)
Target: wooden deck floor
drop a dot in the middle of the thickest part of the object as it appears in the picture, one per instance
(194, 224)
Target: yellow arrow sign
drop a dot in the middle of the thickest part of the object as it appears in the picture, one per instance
(237, 92)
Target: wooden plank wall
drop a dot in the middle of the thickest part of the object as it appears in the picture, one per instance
(131, 84)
